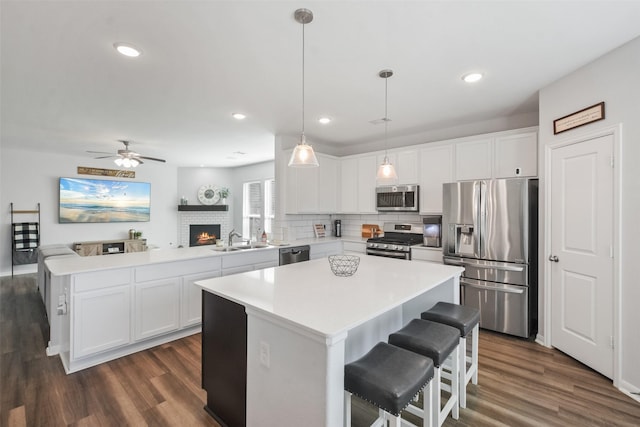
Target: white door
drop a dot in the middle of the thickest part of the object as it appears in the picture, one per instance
(581, 246)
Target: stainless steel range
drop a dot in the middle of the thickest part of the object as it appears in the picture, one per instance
(397, 240)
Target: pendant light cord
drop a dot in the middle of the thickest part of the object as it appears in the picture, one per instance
(303, 137)
(386, 118)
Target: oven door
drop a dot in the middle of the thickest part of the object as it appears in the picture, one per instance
(389, 254)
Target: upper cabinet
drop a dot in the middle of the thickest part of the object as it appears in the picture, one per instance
(312, 190)
(358, 184)
(473, 159)
(516, 155)
(436, 168)
(501, 156)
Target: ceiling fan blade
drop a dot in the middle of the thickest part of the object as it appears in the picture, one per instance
(152, 158)
(106, 157)
(99, 152)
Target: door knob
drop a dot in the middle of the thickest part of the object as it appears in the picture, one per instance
(553, 258)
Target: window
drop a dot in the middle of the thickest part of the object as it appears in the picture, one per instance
(258, 207)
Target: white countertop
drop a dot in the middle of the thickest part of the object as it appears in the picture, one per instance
(83, 264)
(310, 296)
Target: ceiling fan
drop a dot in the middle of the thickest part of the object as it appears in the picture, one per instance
(126, 157)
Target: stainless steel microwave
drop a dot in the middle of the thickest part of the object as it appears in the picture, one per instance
(397, 198)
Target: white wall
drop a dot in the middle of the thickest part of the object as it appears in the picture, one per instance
(613, 79)
(28, 177)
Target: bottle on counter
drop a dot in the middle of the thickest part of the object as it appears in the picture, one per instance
(263, 239)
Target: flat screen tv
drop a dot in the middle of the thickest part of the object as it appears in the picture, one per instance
(101, 200)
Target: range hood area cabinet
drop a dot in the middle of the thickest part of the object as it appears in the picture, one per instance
(347, 184)
(312, 190)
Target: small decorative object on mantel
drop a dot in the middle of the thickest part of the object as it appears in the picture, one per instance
(224, 193)
(84, 170)
(208, 194)
(579, 118)
(319, 230)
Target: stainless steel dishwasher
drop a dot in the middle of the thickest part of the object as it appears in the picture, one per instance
(294, 254)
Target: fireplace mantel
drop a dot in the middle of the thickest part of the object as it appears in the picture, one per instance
(192, 208)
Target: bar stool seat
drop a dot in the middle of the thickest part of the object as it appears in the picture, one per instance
(387, 377)
(438, 342)
(467, 320)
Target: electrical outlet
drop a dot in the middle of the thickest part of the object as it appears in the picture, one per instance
(265, 354)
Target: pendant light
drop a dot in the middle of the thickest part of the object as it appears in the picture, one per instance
(386, 171)
(303, 155)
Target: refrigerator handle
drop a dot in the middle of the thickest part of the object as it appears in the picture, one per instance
(510, 290)
(478, 217)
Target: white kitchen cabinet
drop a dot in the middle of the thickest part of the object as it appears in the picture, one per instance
(349, 185)
(351, 246)
(244, 261)
(312, 190)
(156, 307)
(436, 168)
(100, 320)
(327, 184)
(504, 155)
(474, 159)
(427, 254)
(367, 171)
(191, 313)
(516, 155)
(322, 250)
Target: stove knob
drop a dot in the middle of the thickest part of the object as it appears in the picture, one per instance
(385, 246)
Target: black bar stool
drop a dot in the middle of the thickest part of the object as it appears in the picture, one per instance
(388, 377)
(466, 319)
(438, 342)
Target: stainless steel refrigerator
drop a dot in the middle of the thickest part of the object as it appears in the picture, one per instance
(490, 227)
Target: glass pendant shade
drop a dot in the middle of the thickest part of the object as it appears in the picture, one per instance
(303, 156)
(386, 171)
(126, 162)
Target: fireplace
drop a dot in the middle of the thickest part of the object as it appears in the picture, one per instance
(207, 234)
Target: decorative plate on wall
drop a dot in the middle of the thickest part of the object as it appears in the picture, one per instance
(208, 194)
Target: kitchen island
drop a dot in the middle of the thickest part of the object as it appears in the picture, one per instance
(281, 336)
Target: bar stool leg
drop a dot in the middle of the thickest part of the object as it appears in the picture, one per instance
(474, 354)
(463, 372)
(347, 409)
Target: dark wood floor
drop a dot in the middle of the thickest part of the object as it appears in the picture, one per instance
(521, 383)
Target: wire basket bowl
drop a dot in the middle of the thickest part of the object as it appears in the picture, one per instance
(344, 265)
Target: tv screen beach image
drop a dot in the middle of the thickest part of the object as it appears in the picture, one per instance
(99, 200)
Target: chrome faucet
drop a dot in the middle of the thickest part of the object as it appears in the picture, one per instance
(231, 234)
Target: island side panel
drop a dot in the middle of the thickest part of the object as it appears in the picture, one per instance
(299, 381)
(224, 359)
(447, 291)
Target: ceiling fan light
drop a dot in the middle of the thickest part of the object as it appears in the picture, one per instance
(134, 163)
(126, 162)
(118, 161)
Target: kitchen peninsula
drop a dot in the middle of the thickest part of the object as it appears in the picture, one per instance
(275, 341)
(103, 307)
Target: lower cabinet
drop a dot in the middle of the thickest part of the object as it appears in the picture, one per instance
(192, 298)
(321, 250)
(157, 307)
(101, 320)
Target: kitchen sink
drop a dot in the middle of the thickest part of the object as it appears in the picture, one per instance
(241, 247)
(228, 249)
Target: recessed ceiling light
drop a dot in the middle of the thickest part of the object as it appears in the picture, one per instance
(238, 116)
(324, 120)
(127, 49)
(472, 77)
